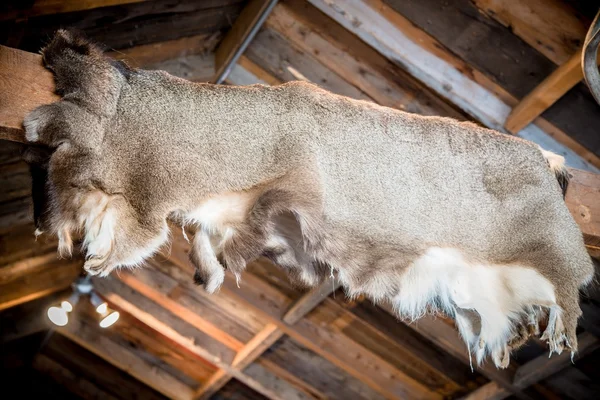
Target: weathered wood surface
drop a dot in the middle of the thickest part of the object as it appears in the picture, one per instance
(83, 329)
(552, 27)
(239, 32)
(123, 26)
(90, 369)
(17, 9)
(536, 370)
(31, 279)
(494, 50)
(25, 84)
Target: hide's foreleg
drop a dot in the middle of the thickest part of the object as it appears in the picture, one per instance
(209, 271)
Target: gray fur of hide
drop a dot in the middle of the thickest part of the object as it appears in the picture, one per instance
(393, 202)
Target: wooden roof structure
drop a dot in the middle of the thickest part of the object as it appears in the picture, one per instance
(511, 67)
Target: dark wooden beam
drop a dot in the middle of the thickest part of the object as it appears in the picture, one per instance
(536, 370)
(310, 300)
(45, 7)
(28, 280)
(244, 26)
(82, 330)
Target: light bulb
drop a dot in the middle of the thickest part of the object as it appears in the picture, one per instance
(58, 316)
(109, 319)
(65, 305)
(102, 308)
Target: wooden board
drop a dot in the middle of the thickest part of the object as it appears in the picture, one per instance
(25, 84)
(83, 330)
(23, 282)
(70, 358)
(552, 27)
(127, 25)
(317, 35)
(16, 9)
(493, 49)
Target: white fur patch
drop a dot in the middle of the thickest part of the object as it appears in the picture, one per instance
(217, 213)
(216, 273)
(555, 161)
(496, 293)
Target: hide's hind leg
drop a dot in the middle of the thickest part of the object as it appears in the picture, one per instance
(252, 238)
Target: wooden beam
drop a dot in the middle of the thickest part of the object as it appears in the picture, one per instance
(24, 85)
(310, 300)
(246, 356)
(239, 32)
(45, 7)
(584, 203)
(269, 335)
(145, 56)
(552, 27)
(535, 370)
(181, 311)
(169, 333)
(28, 280)
(91, 337)
(546, 94)
(103, 374)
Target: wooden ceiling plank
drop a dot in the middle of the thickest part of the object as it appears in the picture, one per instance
(169, 333)
(239, 32)
(75, 384)
(536, 370)
(545, 94)
(247, 355)
(180, 311)
(45, 279)
(552, 27)
(145, 56)
(310, 300)
(273, 53)
(45, 7)
(339, 50)
(258, 72)
(269, 335)
(95, 341)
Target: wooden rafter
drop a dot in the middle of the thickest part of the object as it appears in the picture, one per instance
(268, 336)
(546, 94)
(31, 279)
(95, 340)
(535, 371)
(239, 32)
(45, 7)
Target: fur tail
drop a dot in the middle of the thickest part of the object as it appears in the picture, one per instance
(557, 165)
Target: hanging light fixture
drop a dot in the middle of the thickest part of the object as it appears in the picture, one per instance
(59, 315)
